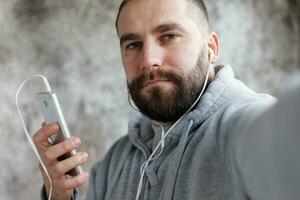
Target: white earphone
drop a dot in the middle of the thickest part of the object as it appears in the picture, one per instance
(47, 89)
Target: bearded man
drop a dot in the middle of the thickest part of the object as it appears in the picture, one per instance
(184, 143)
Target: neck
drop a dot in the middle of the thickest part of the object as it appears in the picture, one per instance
(212, 74)
(162, 123)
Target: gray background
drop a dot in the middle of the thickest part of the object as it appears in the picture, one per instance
(74, 44)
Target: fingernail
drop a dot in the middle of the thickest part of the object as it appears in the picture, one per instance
(76, 140)
(84, 155)
(83, 177)
(55, 126)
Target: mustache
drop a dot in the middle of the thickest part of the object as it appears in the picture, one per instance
(139, 81)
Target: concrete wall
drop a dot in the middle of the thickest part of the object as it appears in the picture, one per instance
(74, 44)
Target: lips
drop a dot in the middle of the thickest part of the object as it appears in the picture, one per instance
(151, 82)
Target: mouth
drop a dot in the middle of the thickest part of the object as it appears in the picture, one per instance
(155, 82)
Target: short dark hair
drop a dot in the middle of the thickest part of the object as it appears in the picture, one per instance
(200, 3)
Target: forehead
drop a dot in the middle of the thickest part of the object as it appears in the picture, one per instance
(145, 15)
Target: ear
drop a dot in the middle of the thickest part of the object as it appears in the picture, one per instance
(213, 48)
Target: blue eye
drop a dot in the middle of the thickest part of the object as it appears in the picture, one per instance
(169, 36)
(134, 45)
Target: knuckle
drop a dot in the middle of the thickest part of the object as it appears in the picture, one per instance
(67, 185)
(53, 174)
(65, 145)
(77, 181)
(78, 159)
(46, 127)
(59, 168)
(48, 155)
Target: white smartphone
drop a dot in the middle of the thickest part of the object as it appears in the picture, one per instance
(52, 112)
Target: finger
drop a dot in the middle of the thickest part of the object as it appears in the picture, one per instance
(43, 125)
(41, 137)
(62, 148)
(66, 165)
(76, 181)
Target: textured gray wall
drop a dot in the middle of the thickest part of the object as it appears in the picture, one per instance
(74, 44)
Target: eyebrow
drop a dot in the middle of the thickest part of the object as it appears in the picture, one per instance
(127, 37)
(168, 27)
(159, 29)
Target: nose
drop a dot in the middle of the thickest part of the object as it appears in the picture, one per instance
(152, 56)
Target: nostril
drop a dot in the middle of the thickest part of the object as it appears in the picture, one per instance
(153, 62)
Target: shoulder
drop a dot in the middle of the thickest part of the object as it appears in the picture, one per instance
(247, 106)
(239, 111)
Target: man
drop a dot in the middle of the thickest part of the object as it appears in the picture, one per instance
(194, 115)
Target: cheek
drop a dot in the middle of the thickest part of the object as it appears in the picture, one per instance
(130, 67)
(183, 58)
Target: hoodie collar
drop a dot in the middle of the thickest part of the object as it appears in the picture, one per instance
(213, 98)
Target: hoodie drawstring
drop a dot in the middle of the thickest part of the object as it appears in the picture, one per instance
(117, 173)
(172, 175)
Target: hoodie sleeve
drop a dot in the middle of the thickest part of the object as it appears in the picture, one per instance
(233, 120)
(266, 153)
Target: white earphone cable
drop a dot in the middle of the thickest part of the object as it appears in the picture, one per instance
(164, 135)
(48, 89)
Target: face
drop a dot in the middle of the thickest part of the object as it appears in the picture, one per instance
(165, 56)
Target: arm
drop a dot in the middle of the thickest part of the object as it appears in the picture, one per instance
(266, 154)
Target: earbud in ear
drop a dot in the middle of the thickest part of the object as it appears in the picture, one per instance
(211, 57)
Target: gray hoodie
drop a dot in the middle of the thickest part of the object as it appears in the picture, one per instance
(196, 162)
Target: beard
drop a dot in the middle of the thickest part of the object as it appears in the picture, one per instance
(164, 105)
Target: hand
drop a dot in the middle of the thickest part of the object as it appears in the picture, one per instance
(62, 183)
